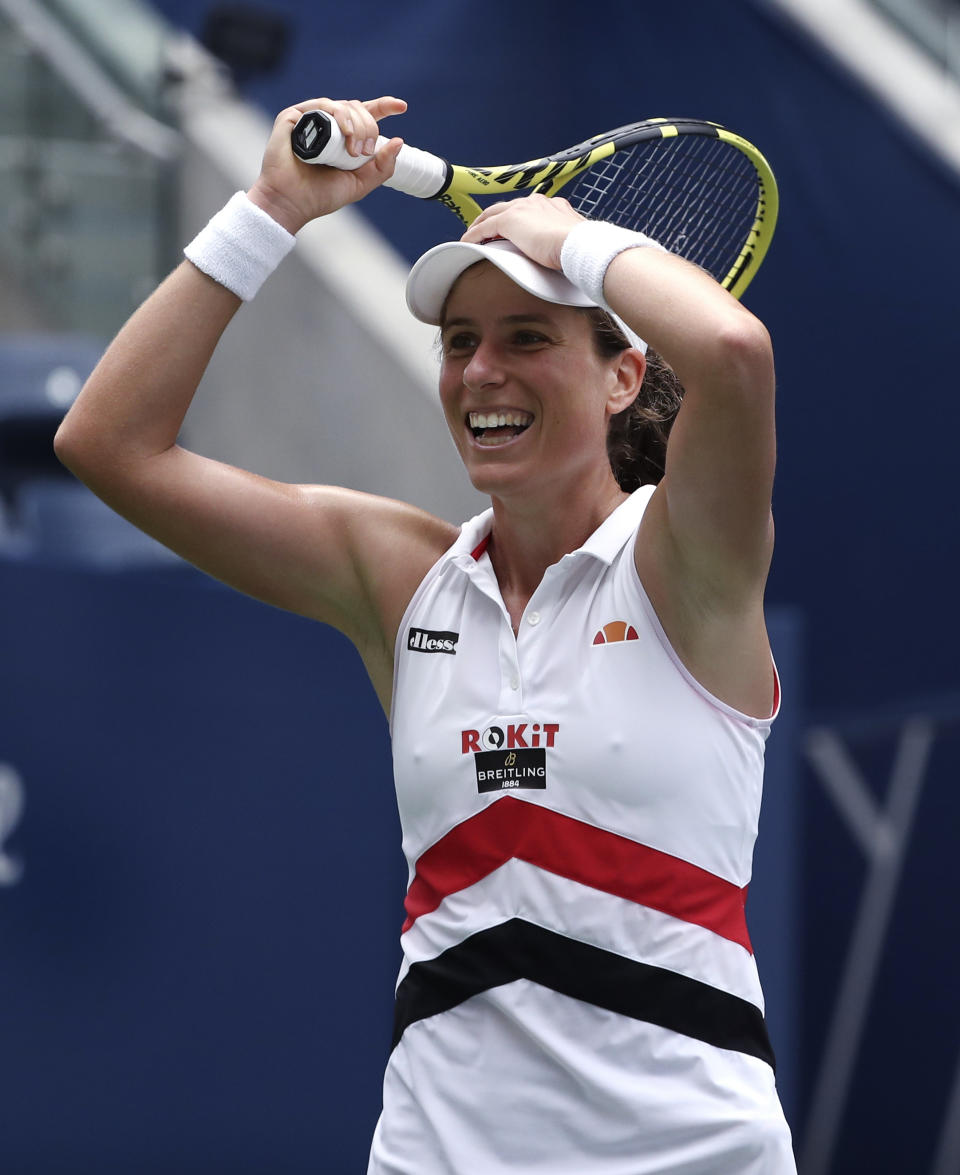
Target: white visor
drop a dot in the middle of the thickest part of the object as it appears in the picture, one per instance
(433, 276)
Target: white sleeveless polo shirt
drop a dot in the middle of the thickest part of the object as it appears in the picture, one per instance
(578, 994)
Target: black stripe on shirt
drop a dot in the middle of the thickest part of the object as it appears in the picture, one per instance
(520, 950)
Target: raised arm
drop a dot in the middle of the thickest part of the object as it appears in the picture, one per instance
(720, 458)
(704, 550)
(349, 559)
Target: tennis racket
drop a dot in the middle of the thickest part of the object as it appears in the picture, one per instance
(702, 191)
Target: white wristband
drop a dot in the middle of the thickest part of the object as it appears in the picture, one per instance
(240, 246)
(589, 249)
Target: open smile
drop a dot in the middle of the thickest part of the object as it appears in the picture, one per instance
(491, 429)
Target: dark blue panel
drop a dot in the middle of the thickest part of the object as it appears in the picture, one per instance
(200, 954)
(774, 902)
(907, 1056)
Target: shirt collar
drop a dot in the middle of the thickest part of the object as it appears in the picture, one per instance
(472, 540)
(604, 544)
(608, 539)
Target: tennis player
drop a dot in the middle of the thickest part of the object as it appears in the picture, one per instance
(578, 680)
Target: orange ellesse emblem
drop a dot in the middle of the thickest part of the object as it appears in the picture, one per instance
(615, 630)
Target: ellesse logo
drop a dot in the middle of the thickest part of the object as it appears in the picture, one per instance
(422, 640)
(615, 631)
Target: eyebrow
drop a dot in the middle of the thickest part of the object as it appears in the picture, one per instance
(507, 318)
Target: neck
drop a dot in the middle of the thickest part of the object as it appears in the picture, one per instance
(529, 535)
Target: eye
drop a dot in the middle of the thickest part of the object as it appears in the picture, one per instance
(459, 342)
(529, 338)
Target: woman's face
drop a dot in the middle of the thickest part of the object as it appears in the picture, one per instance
(525, 394)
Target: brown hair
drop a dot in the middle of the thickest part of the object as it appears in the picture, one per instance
(637, 436)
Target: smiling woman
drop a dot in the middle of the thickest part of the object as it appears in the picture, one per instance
(506, 350)
(637, 436)
(578, 680)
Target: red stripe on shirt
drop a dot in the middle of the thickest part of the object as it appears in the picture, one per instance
(581, 852)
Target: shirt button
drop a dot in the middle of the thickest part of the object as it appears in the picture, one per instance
(514, 682)
(533, 618)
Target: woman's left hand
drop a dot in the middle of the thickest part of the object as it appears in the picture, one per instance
(537, 225)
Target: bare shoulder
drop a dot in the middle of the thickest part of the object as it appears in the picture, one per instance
(391, 545)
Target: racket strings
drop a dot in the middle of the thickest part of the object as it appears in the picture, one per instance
(696, 195)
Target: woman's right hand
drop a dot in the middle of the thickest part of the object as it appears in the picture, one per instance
(294, 192)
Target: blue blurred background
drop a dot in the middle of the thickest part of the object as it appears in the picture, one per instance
(200, 878)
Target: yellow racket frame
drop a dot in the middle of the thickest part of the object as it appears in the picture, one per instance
(548, 175)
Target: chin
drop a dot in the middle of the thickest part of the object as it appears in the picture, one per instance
(493, 482)
(502, 481)
(485, 481)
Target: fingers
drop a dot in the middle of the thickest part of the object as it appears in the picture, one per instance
(536, 224)
(360, 128)
(357, 120)
(381, 166)
(384, 107)
(482, 227)
(532, 208)
(358, 125)
(491, 220)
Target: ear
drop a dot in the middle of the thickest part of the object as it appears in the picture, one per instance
(628, 376)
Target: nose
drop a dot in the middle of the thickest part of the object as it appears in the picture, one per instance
(484, 369)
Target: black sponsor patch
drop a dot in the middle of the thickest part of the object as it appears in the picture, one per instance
(422, 640)
(511, 770)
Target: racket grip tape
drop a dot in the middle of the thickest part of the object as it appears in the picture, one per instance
(318, 139)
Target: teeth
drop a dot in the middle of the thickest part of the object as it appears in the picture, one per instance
(499, 419)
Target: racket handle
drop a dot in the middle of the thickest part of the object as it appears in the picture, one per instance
(318, 139)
